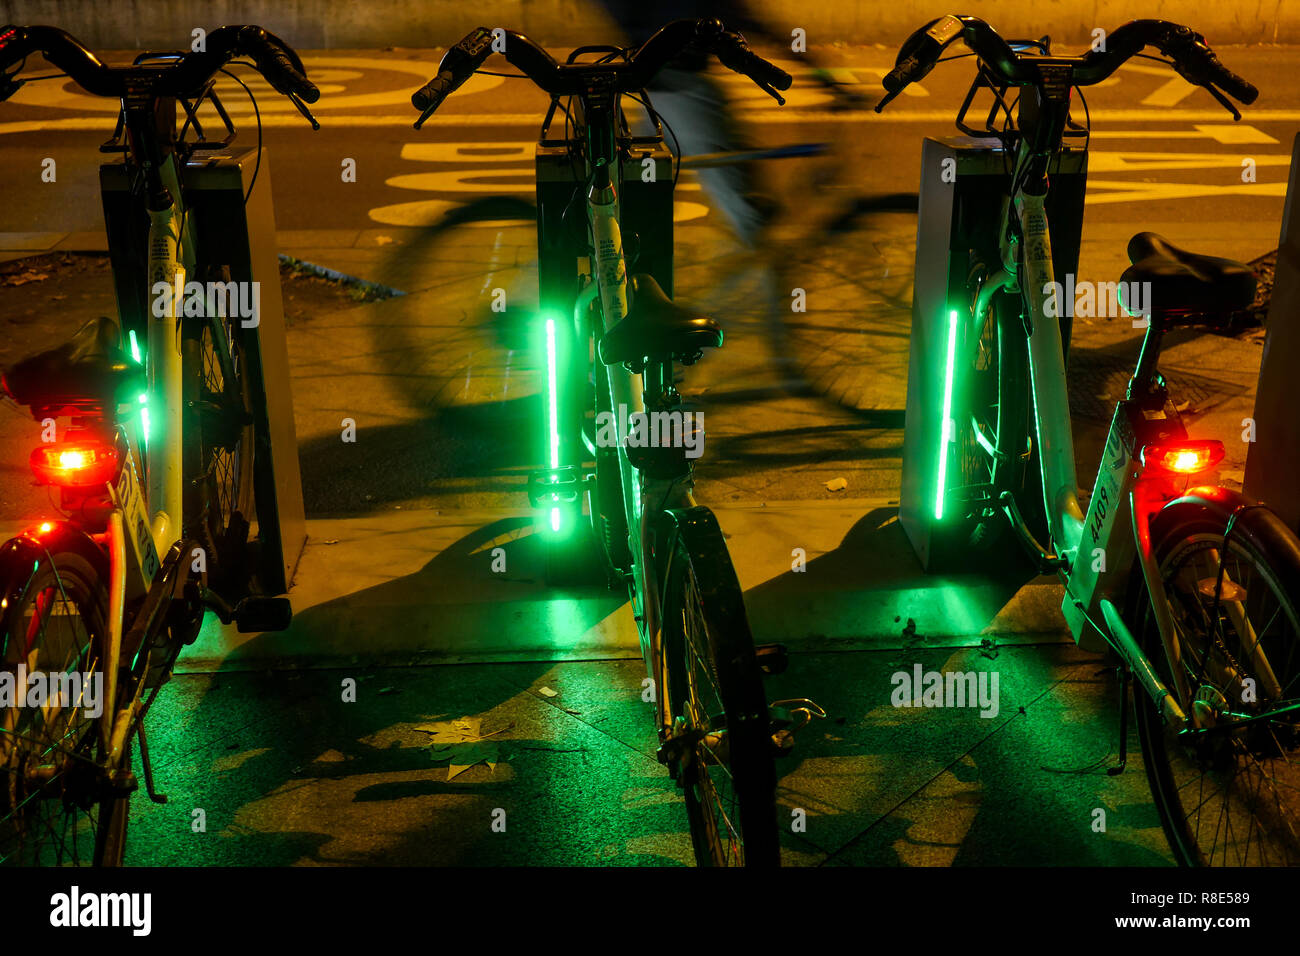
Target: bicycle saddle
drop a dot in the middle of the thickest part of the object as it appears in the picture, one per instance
(1184, 282)
(656, 326)
(89, 369)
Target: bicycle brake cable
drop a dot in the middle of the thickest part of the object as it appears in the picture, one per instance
(677, 146)
(257, 113)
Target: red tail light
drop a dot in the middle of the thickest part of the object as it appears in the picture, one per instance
(75, 464)
(1183, 457)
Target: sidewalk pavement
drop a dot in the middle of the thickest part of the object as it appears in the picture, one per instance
(254, 728)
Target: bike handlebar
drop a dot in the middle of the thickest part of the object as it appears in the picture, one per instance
(1192, 57)
(458, 65)
(274, 59)
(631, 75)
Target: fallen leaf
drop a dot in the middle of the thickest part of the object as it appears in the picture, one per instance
(22, 278)
(468, 755)
(547, 692)
(837, 484)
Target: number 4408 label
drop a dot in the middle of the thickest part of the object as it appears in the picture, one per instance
(127, 497)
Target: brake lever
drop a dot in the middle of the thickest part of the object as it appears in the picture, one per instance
(296, 100)
(9, 86)
(425, 115)
(770, 92)
(885, 100)
(1227, 103)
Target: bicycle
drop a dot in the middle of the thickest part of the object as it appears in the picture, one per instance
(611, 344)
(86, 600)
(1196, 588)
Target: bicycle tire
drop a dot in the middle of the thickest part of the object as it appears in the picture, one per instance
(605, 502)
(71, 787)
(706, 634)
(996, 392)
(1184, 532)
(218, 447)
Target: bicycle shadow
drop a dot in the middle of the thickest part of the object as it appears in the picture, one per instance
(351, 761)
(298, 777)
(482, 449)
(882, 785)
(872, 583)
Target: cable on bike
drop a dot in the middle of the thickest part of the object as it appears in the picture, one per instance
(1087, 119)
(257, 164)
(657, 116)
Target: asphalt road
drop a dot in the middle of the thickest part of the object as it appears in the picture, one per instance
(1158, 141)
(793, 400)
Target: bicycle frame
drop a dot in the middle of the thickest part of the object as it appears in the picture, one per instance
(171, 255)
(643, 497)
(144, 516)
(1092, 554)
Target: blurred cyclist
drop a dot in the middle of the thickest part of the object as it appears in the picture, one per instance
(693, 104)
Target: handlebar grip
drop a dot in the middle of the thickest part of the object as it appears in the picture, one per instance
(281, 73)
(920, 52)
(1215, 72)
(430, 96)
(277, 63)
(742, 59)
(458, 64)
(901, 75)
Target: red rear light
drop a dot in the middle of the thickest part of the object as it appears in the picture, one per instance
(1183, 457)
(75, 464)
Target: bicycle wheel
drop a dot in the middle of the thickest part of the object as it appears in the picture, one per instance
(54, 806)
(715, 697)
(991, 419)
(1227, 797)
(218, 445)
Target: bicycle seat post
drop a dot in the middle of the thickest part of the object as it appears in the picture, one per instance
(1144, 376)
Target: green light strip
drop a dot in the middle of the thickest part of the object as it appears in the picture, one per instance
(135, 347)
(553, 409)
(947, 415)
(552, 387)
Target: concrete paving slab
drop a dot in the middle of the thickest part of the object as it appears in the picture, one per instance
(29, 242)
(288, 773)
(1034, 792)
(420, 586)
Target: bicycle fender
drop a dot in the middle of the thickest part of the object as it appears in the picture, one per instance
(20, 555)
(1250, 518)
